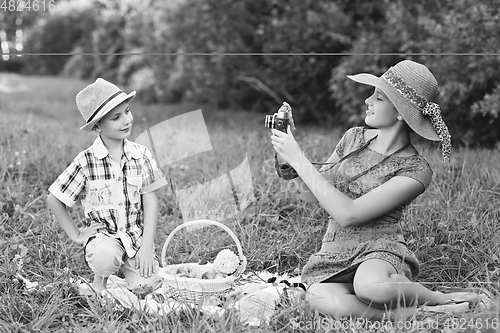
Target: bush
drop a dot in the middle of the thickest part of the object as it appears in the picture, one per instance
(468, 93)
(61, 32)
(376, 34)
(261, 82)
(143, 81)
(485, 116)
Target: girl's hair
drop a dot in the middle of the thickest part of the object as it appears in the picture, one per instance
(408, 128)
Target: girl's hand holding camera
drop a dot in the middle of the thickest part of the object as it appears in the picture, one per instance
(282, 137)
(290, 122)
(285, 145)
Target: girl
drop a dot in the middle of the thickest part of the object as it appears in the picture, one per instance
(364, 266)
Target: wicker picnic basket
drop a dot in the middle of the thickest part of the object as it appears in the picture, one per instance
(195, 289)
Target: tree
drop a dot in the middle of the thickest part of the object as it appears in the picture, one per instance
(315, 85)
(468, 84)
(261, 82)
(67, 28)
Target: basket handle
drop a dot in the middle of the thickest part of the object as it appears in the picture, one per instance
(243, 260)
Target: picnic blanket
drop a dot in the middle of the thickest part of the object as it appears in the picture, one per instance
(255, 296)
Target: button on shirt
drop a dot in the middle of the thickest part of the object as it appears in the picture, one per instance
(111, 191)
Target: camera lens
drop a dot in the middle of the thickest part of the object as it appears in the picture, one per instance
(269, 122)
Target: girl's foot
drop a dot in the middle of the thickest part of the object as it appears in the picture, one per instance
(476, 298)
(460, 297)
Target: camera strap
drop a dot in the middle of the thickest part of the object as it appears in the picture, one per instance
(354, 152)
(357, 151)
(286, 172)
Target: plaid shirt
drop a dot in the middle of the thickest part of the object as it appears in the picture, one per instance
(110, 190)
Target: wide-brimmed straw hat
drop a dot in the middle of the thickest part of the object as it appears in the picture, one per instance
(412, 89)
(97, 99)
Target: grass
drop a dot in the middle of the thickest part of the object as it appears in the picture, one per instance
(453, 227)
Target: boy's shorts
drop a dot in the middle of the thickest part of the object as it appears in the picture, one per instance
(105, 255)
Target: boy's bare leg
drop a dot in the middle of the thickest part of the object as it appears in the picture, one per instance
(99, 283)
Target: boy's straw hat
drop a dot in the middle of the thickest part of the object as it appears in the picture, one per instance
(97, 99)
(412, 88)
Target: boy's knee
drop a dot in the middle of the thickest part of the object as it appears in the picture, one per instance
(103, 257)
(134, 279)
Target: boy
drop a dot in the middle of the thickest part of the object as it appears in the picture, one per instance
(116, 181)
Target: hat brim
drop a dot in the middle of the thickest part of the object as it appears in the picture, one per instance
(105, 110)
(419, 123)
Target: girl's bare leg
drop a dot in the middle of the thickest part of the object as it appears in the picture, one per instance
(339, 300)
(377, 282)
(376, 289)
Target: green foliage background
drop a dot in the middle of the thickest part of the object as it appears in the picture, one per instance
(373, 35)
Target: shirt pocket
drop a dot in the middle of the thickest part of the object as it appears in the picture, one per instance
(101, 195)
(134, 188)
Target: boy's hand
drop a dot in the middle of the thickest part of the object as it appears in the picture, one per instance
(87, 232)
(145, 262)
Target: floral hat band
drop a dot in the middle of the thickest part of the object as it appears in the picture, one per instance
(430, 109)
(412, 88)
(434, 112)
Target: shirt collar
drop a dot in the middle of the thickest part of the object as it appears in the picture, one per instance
(100, 150)
(129, 149)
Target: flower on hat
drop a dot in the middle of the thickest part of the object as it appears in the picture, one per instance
(226, 262)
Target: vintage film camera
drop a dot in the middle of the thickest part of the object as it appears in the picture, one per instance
(280, 121)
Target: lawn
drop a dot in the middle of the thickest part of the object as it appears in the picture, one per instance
(453, 227)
